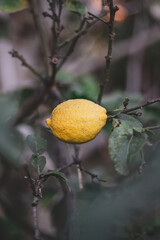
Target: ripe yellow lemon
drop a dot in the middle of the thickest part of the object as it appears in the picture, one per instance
(77, 120)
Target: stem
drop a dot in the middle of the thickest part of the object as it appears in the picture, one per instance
(35, 218)
(153, 127)
(82, 32)
(36, 16)
(110, 25)
(15, 54)
(125, 111)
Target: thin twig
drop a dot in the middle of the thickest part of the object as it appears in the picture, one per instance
(98, 18)
(93, 175)
(24, 63)
(36, 186)
(108, 58)
(128, 110)
(153, 127)
(82, 32)
(34, 7)
(73, 43)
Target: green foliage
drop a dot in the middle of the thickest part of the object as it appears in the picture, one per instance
(75, 6)
(37, 144)
(10, 145)
(13, 5)
(38, 162)
(125, 144)
(9, 231)
(59, 175)
(84, 86)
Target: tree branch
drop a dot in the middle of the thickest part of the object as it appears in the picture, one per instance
(82, 32)
(36, 16)
(15, 54)
(112, 10)
(129, 110)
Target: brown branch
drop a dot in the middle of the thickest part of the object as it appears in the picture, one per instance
(129, 110)
(110, 25)
(73, 43)
(36, 186)
(98, 18)
(82, 32)
(34, 7)
(24, 63)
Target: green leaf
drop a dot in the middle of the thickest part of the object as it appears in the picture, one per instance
(118, 148)
(152, 137)
(13, 5)
(136, 144)
(130, 123)
(38, 162)
(125, 144)
(75, 6)
(59, 175)
(37, 144)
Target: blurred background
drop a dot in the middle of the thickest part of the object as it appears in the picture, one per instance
(123, 208)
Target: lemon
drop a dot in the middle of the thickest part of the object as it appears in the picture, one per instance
(77, 120)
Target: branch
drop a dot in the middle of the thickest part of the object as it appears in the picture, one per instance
(98, 18)
(36, 16)
(110, 25)
(15, 54)
(73, 43)
(36, 188)
(82, 32)
(141, 106)
(153, 127)
(129, 110)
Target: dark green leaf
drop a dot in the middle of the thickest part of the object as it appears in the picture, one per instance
(136, 144)
(125, 144)
(38, 162)
(75, 6)
(152, 137)
(13, 5)
(118, 148)
(129, 123)
(59, 175)
(37, 144)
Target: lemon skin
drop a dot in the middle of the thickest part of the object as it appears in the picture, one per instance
(77, 120)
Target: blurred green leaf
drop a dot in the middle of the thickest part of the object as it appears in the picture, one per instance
(38, 162)
(152, 137)
(37, 144)
(75, 6)
(59, 175)
(10, 144)
(125, 144)
(13, 5)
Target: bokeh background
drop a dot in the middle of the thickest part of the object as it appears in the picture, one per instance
(124, 208)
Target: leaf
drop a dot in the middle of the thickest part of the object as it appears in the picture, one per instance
(136, 144)
(38, 162)
(37, 144)
(59, 175)
(75, 6)
(13, 5)
(129, 123)
(124, 147)
(152, 137)
(118, 148)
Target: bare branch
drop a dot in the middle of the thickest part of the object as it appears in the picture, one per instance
(82, 32)
(34, 7)
(15, 54)
(130, 110)
(110, 26)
